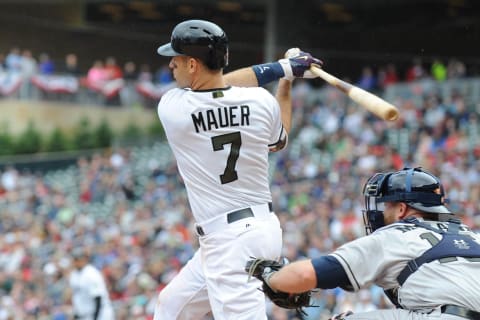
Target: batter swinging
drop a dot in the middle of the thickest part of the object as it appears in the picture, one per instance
(221, 135)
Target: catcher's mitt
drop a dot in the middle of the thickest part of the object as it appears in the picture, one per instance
(262, 270)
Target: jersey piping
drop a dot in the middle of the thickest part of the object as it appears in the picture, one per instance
(346, 265)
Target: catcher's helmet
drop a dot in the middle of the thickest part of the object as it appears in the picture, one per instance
(417, 188)
(199, 39)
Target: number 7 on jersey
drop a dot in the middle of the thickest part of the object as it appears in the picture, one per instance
(234, 138)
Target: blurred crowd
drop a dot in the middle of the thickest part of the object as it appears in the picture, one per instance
(129, 208)
(104, 82)
(128, 83)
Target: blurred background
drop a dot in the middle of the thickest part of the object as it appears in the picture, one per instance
(84, 161)
(346, 33)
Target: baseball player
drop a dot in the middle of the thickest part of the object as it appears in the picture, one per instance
(221, 135)
(427, 262)
(89, 293)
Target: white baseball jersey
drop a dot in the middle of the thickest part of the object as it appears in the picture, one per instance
(380, 257)
(87, 284)
(221, 140)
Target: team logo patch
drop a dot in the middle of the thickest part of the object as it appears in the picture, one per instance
(461, 244)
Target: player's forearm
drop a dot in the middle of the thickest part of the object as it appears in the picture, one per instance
(284, 98)
(244, 77)
(259, 74)
(294, 278)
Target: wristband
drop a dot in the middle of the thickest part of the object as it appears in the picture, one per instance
(268, 72)
(267, 275)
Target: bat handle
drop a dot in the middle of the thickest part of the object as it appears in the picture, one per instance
(334, 81)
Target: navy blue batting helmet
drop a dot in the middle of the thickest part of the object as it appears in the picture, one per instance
(199, 39)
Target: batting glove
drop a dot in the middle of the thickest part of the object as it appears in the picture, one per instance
(297, 63)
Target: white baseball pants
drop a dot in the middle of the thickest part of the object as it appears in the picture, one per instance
(214, 280)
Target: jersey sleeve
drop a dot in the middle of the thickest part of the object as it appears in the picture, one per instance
(362, 260)
(279, 136)
(330, 273)
(165, 108)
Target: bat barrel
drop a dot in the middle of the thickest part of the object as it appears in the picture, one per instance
(369, 101)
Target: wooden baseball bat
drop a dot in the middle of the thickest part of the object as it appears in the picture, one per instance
(369, 101)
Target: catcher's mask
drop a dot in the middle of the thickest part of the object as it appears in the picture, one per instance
(417, 188)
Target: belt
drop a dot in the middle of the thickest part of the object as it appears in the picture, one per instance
(460, 311)
(236, 215)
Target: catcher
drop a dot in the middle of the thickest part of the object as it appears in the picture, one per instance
(427, 262)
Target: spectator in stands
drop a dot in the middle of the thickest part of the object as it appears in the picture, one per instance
(112, 69)
(458, 110)
(28, 69)
(367, 80)
(96, 77)
(114, 73)
(28, 64)
(434, 110)
(163, 75)
(97, 74)
(387, 76)
(416, 71)
(70, 66)
(128, 94)
(10, 82)
(46, 65)
(456, 69)
(130, 71)
(145, 73)
(438, 70)
(13, 60)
